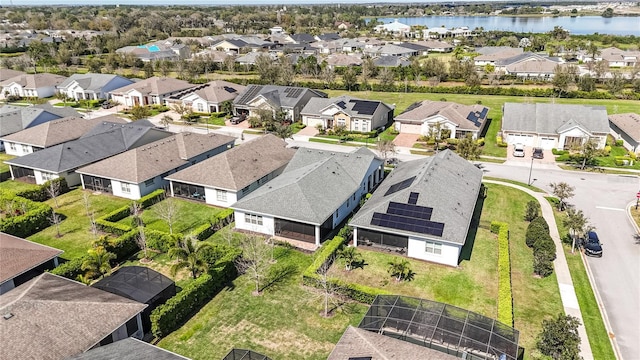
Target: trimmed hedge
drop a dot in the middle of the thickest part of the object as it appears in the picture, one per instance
(41, 194)
(70, 269)
(220, 220)
(109, 222)
(151, 199)
(160, 240)
(26, 224)
(172, 314)
(505, 295)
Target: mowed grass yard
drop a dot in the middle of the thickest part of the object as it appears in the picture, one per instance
(75, 229)
(3, 157)
(474, 284)
(403, 100)
(283, 323)
(189, 215)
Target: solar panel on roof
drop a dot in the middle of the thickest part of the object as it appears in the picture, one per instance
(294, 93)
(400, 185)
(414, 211)
(342, 104)
(483, 113)
(364, 107)
(413, 198)
(409, 224)
(230, 89)
(249, 94)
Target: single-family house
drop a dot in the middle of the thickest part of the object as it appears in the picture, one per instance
(453, 120)
(41, 85)
(391, 61)
(424, 209)
(342, 25)
(395, 28)
(208, 97)
(140, 284)
(313, 195)
(276, 98)
(228, 177)
(230, 46)
(252, 57)
(345, 111)
(141, 170)
(626, 127)
(442, 32)
(327, 37)
(533, 66)
(104, 140)
(53, 318)
(91, 86)
(21, 260)
(151, 91)
(160, 50)
(17, 118)
(391, 50)
(619, 58)
(6, 74)
(128, 349)
(489, 55)
(436, 46)
(52, 133)
(343, 60)
(549, 126)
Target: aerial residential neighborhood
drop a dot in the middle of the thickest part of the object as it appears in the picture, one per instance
(327, 181)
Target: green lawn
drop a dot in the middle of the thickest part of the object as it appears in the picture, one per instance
(190, 215)
(16, 186)
(283, 323)
(75, 229)
(403, 100)
(524, 185)
(596, 331)
(4, 157)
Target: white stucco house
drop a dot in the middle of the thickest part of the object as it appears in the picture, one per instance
(91, 86)
(352, 113)
(228, 177)
(207, 98)
(554, 126)
(291, 100)
(151, 91)
(423, 209)
(40, 85)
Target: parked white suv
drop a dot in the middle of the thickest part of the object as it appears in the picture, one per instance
(518, 150)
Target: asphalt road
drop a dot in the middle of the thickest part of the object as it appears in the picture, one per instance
(603, 198)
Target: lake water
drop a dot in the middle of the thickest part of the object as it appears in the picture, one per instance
(580, 25)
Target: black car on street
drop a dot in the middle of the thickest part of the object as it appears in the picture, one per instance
(592, 245)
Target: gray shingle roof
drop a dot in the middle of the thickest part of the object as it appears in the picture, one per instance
(58, 131)
(445, 182)
(312, 186)
(88, 81)
(155, 86)
(238, 167)
(457, 113)
(16, 118)
(34, 81)
(18, 255)
(128, 349)
(156, 158)
(54, 318)
(285, 96)
(629, 123)
(111, 140)
(551, 118)
(216, 91)
(348, 104)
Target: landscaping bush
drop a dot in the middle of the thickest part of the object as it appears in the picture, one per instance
(555, 151)
(124, 246)
(619, 142)
(480, 142)
(152, 198)
(70, 269)
(495, 226)
(160, 240)
(545, 247)
(220, 220)
(537, 229)
(24, 224)
(453, 141)
(172, 314)
(41, 193)
(505, 296)
(112, 227)
(542, 266)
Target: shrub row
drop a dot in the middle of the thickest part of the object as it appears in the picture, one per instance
(35, 218)
(160, 240)
(151, 198)
(41, 193)
(172, 314)
(220, 220)
(109, 222)
(325, 254)
(544, 249)
(505, 295)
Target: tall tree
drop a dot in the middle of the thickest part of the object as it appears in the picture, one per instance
(588, 152)
(559, 338)
(349, 255)
(168, 210)
(98, 262)
(400, 269)
(576, 222)
(562, 191)
(138, 112)
(468, 148)
(189, 255)
(386, 148)
(255, 261)
(349, 78)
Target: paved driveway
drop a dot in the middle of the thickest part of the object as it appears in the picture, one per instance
(406, 140)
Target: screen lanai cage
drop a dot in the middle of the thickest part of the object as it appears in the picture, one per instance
(442, 327)
(242, 354)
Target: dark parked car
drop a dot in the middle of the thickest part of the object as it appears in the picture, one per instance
(108, 104)
(538, 153)
(592, 245)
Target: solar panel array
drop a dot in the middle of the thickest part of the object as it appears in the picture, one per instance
(409, 217)
(342, 104)
(400, 185)
(293, 92)
(249, 94)
(413, 198)
(230, 89)
(414, 211)
(476, 116)
(364, 107)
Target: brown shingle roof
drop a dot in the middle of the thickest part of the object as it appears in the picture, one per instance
(629, 123)
(8, 74)
(239, 167)
(18, 255)
(215, 91)
(34, 81)
(58, 131)
(148, 161)
(357, 342)
(155, 86)
(456, 113)
(54, 318)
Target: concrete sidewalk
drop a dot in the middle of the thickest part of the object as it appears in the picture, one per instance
(561, 268)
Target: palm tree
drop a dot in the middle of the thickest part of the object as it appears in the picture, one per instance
(98, 262)
(189, 256)
(350, 255)
(400, 269)
(576, 222)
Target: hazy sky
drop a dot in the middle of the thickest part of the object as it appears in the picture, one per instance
(199, 2)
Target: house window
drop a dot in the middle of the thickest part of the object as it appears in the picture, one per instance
(221, 195)
(433, 248)
(200, 107)
(47, 176)
(12, 146)
(337, 213)
(126, 188)
(342, 122)
(149, 182)
(253, 219)
(356, 126)
(263, 180)
(245, 190)
(25, 148)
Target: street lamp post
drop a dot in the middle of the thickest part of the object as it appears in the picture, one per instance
(530, 170)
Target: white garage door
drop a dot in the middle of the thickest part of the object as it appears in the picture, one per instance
(524, 139)
(410, 128)
(547, 143)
